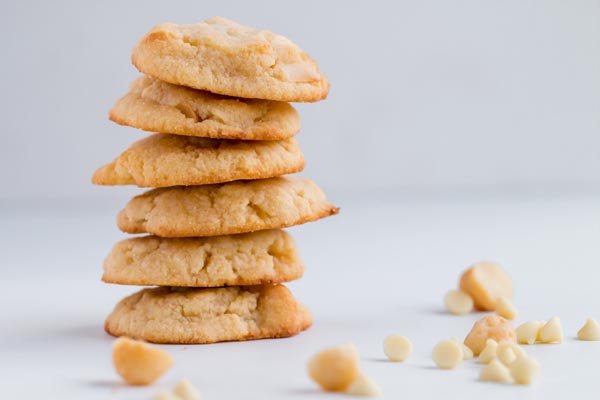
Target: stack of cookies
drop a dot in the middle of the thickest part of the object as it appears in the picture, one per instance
(217, 92)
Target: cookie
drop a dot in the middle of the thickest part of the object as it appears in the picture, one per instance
(224, 57)
(157, 106)
(229, 208)
(162, 160)
(187, 316)
(235, 260)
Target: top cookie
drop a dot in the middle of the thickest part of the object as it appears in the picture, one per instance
(224, 57)
(157, 106)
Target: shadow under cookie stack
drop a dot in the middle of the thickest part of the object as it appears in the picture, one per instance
(218, 92)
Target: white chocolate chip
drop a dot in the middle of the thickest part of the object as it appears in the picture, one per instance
(589, 331)
(505, 308)
(495, 371)
(447, 354)
(397, 347)
(508, 352)
(364, 386)
(166, 395)
(489, 352)
(552, 331)
(304, 71)
(186, 391)
(335, 368)
(467, 352)
(458, 302)
(525, 370)
(528, 332)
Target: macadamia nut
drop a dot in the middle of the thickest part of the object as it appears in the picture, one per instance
(364, 386)
(495, 371)
(589, 331)
(138, 363)
(505, 308)
(527, 333)
(489, 352)
(335, 368)
(524, 370)
(397, 347)
(486, 282)
(458, 302)
(552, 331)
(489, 327)
(447, 354)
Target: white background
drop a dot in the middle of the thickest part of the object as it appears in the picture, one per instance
(455, 131)
(423, 93)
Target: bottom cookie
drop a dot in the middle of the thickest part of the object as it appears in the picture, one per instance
(194, 316)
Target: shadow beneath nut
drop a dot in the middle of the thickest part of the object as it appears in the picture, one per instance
(105, 384)
(428, 367)
(304, 392)
(379, 359)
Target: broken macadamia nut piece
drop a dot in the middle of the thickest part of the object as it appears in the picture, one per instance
(138, 363)
(489, 327)
(364, 386)
(589, 331)
(447, 354)
(335, 368)
(528, 332)
(458, 302)
(551, 332)
(495, 371)
(486, 283)
(397, 348)
(506, 309)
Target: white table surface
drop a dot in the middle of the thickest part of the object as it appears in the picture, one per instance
(380, 267)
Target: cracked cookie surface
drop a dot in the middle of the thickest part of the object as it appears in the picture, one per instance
(157, 106)
(162, 160)
(194, 316)
(235, 260)
(224, 57)
(229, 208)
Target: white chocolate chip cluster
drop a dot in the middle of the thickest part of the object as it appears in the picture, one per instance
(184, 390)
(506, 362)
(540, 332)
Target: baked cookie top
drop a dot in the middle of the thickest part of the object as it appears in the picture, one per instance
(162, 160)
(157, 106)
(229, 208)
(224, 57)
(186, 315)
(262, 257)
